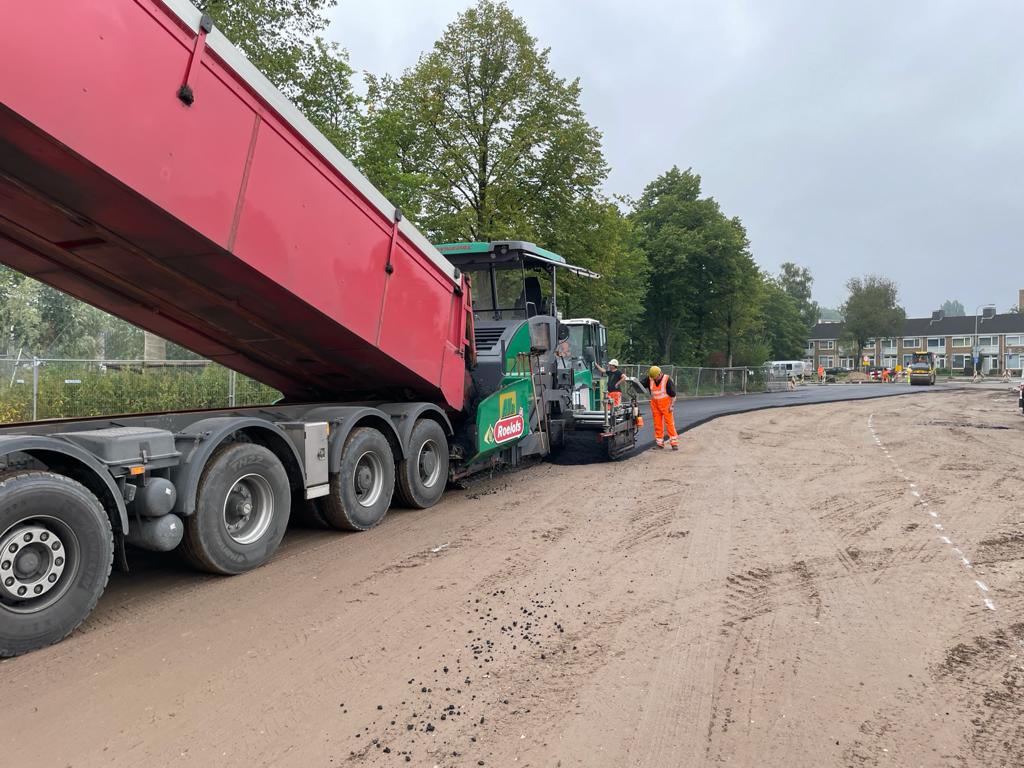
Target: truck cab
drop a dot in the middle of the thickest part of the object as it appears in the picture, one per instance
(588, 347)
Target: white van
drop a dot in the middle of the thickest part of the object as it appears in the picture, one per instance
(795, 369)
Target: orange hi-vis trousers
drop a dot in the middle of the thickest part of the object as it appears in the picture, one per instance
(616, 397)
(661, 411)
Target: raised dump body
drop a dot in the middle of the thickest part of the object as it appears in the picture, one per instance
(147, 168)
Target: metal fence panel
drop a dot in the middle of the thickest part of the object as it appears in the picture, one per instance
(708, 382)
(52, 389)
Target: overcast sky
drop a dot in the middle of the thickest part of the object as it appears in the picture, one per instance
(851, 138)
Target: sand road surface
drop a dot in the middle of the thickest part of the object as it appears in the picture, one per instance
(827, 585)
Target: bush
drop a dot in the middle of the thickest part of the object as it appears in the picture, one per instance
(69, 389)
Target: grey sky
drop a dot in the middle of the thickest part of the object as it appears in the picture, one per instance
(851, 138)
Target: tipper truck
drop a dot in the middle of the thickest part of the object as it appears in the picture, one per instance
(147, 168)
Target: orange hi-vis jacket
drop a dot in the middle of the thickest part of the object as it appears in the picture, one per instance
(661, 410)
(658, 391)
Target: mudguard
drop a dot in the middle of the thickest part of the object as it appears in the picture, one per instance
(344, 418)
(39, 444)
(198, 441)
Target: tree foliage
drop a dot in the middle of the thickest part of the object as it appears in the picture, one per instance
(796, 282)
(871, 311)
(701, 267)
(953, 308)
(481, 139)
(785, 328)
(283, 39)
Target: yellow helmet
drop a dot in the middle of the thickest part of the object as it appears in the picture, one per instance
(655, 372)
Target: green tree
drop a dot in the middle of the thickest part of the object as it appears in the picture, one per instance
(738, 289)
(871, 311)
(596, 235)
(953, 308)
(700, 269)
(785, 330)
(481, 140)
(796, 282)
(19, 312)
(282, 39)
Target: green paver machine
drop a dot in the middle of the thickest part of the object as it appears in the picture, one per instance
(533, 380)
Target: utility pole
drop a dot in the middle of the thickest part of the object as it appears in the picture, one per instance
(976, 351)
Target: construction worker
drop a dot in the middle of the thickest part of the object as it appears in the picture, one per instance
(663, 395)
(615, 377)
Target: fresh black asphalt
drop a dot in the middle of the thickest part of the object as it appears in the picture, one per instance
(583, 448)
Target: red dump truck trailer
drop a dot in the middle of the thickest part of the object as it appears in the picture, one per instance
(147, 168)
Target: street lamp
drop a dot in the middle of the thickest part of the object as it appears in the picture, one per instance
(989, 313)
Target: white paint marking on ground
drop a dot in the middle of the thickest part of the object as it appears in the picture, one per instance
(924, 503)
(435, 550)
(933, 513)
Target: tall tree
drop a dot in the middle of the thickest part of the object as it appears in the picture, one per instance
(738, 291)
(871, 311)
(283, 39)
(700, 266)
(785, 331)
(596, 235)
(953, 308)
(796, 282)
(481, 137)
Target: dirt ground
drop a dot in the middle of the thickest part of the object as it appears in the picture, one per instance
(778, 593)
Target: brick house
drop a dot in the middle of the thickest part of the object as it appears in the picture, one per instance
(1000, 341)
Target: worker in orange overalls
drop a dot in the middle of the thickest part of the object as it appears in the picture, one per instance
(663, 395)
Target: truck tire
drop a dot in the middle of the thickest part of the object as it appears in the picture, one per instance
(361, 490)
(423, 475)
(242, 510)
(57, 550)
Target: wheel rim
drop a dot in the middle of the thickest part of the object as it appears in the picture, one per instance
(368, 479)
(429, 463)
(38, 562)
(248, 508)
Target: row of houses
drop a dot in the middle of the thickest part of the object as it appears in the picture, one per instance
(999, 342)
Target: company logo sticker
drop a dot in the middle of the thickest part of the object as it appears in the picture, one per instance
(509, 428)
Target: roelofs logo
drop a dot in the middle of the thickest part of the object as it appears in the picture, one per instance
(508, 428)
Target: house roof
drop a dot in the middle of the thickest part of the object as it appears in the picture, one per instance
(1011, 322)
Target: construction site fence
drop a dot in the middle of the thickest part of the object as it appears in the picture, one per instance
(34, 388)
(708, 382)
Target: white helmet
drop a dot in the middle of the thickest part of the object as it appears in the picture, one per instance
(614, 362)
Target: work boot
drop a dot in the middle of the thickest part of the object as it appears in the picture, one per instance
(660, 445)
(675, 447)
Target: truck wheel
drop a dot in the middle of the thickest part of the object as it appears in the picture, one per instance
(423, 474)
(361, 491)
(241, 512)
(56, 549)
